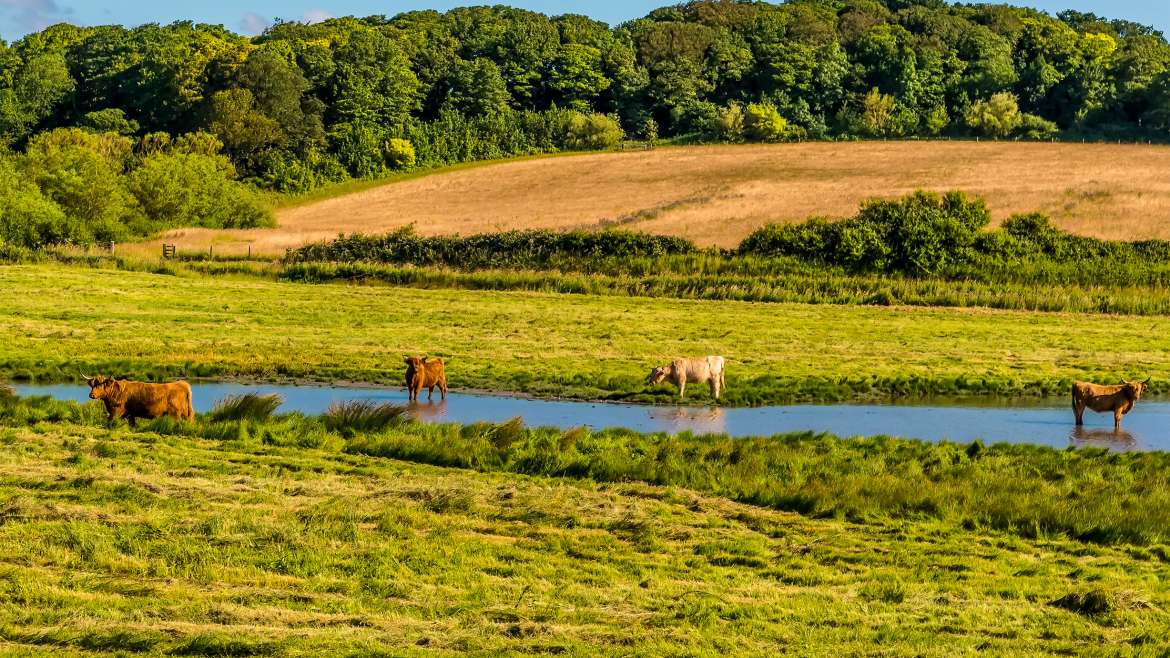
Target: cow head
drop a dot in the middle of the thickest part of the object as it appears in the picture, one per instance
(1134, 390)
(657, 375)
(413, 362)
(103, 388)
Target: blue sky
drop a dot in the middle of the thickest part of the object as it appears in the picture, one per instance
(18, 17)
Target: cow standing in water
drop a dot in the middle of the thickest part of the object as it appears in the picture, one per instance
(132, 400)
(425, 373)
(1118, 398)
(698, 370)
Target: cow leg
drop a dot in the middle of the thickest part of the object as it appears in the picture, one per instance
(1079, 412)
(443, 390)
(682, 390)
(430, 394)
(1117, 414)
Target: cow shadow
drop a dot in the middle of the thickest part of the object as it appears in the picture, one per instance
(1098, 437)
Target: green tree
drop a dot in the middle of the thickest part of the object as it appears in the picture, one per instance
(576, 77)
(191, 189)
(997, 117)
(878, 114)
(478, 89)
(110, 120)
(27, 218)
(82, 173)
(37, 90)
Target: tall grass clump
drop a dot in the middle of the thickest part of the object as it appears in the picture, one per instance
(247, 406)
(362, 417)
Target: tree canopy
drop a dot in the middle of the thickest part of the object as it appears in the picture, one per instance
(305, 104)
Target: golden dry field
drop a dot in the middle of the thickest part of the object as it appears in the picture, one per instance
(716, 195)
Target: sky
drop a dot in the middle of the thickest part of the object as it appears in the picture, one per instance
(19, 17)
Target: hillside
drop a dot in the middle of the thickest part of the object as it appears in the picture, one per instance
(716, 195)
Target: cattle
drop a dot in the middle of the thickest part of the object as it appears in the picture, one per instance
(1118, 398)
(425, 373)
(132, 400)
(698, 370)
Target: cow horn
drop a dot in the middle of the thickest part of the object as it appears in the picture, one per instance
(87, 378)
(1148, 379)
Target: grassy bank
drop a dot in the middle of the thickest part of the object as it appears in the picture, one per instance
(582, 346)
(285, 538)
(694, 278)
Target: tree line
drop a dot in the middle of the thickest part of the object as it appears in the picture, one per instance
(306, 104)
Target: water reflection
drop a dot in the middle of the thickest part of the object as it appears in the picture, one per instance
(428, 411)
(698, 420)
(1047, 422)
(1103, 438)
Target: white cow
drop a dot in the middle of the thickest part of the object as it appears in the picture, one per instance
(708, 369)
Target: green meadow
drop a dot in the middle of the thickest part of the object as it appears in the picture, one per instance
(578, 346)
(296, 536)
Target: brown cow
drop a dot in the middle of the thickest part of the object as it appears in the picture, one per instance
(425, 373)
(132, 400)
(1118, 398)
(700, 370)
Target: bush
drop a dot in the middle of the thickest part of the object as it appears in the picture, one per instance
(1037, 128)
(512, 248)
(997, 117)
(920, 234)
(731, 123)
(400, 154)
(762, 123)
(593, 132)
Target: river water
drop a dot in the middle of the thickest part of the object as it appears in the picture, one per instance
(1048, 422)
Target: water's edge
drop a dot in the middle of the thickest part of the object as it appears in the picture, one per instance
(1043, 422)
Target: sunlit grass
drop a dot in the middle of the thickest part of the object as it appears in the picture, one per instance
(168, 541)
(581, 345)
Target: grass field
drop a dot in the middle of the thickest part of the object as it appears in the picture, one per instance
(548, 344)
(716, 195)
(242, 539)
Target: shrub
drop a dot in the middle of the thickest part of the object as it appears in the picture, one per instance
(731, 123)
(400, 154)
(1037, 128)
(594, 132)
(920, 234)
(650, 131)
(701, 118)
(762, 123)
(997, 117)
(512, 248)
(248, 406)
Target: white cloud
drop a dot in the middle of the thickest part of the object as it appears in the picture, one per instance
(317, 16)
(251, 23)
(33, 15)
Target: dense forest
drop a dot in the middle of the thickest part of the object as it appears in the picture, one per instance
(108, 131)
